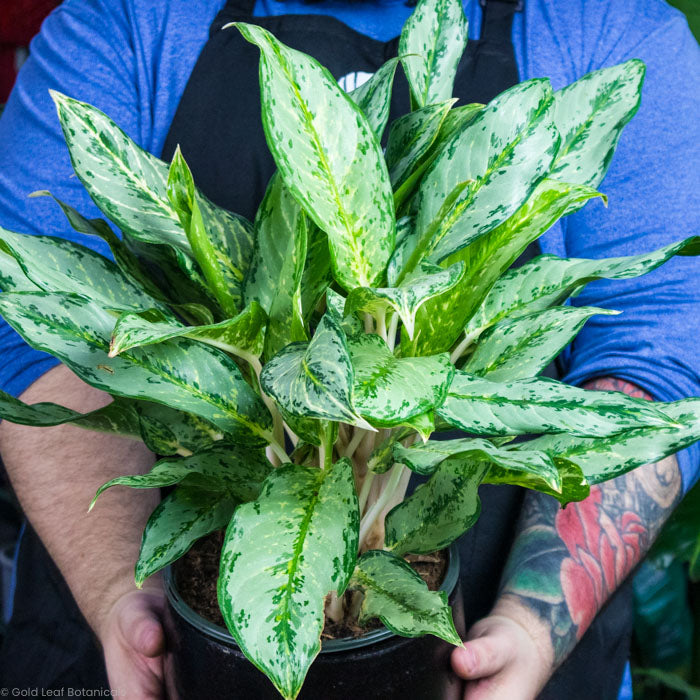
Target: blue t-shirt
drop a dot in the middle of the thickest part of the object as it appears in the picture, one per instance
(132, 59)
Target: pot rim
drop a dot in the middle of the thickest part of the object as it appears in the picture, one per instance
(328, 646)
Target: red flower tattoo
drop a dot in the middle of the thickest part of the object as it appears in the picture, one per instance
(602, 553)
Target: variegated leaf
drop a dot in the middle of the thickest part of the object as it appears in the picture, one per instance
(574, 485)
(305, 527)
(530, 406)
(374, 97)
(405, 243)
(437, 33)
(485, 172)
(12, 277)
(317, 270)
(425, 459)
(604, 458)
(410, 137)
(126, 261)
(406, 299)
(438, 511)
(180, 373)
(524, 346)
(221, 242)
(381, 458)
(228, 469)
(167, 431)
(442, 319)
(118, 416)
(125, 182)
(182, 517)
(457, 119)
(389, 391)
(315, 379)
(176, 274)
(398, 596)
(241, 335)
(60, 265)
(274, 277)
(590, 115)
(328, 157)
(335, 305)
(548, 280)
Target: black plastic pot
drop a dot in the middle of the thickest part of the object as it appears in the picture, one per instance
(206, 662)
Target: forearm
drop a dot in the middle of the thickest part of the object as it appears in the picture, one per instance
(565, 563)
(55, 473)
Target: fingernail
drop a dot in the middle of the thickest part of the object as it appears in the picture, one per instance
(468, 658)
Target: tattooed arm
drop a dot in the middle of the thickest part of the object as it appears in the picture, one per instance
(564, 565)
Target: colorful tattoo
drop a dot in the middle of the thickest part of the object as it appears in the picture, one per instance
(565, 563)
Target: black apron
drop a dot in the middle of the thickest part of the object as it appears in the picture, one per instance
(218, 126)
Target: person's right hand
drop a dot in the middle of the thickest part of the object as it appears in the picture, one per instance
(133, 641)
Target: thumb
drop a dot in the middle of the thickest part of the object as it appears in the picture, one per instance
(141, 626)
(480, 657)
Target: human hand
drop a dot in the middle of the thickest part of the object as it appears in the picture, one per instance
(133, 640)
(502, 659)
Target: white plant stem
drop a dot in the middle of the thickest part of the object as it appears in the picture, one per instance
(335, 610)
(364, 491)
(370, 518)
(381, 324)
(468, 339)
(391, 332)
(354, 443)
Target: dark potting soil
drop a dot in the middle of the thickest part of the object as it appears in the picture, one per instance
(197, 571)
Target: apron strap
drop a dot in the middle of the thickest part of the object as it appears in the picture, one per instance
(232, 11)
(497, 19)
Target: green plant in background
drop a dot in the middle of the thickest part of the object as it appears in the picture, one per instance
(691, 9)
(369, 306)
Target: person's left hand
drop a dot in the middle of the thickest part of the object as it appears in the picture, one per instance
(501, 659)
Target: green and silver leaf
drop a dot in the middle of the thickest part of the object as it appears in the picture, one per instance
(540, 405)
(605, 458)
(58, 265)
(221, 242)
(315, 379)
(441, 320)
(328, 157)
(187, 514)
(229, 469)
(242, 335)
(590, 115)
(390, 391)
(524, 346)
(373, 97)
(410, 138)
(398, 596)
(485, 172)
(438, 511)
(548, 280)
(437, 33)
(305, 527)
(407, 298)
(180, 373)
(117, 417)
(127, 183)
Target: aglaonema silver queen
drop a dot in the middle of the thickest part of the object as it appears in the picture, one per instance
(293, 372)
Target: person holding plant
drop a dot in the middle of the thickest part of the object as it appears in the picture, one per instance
(174, 75)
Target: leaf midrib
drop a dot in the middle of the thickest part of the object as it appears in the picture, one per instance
(364, 281)
(104, 347)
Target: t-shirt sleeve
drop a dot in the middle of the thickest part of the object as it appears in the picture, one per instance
(83, 50)
(653, 187)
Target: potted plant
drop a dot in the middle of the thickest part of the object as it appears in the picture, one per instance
(294, 372)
